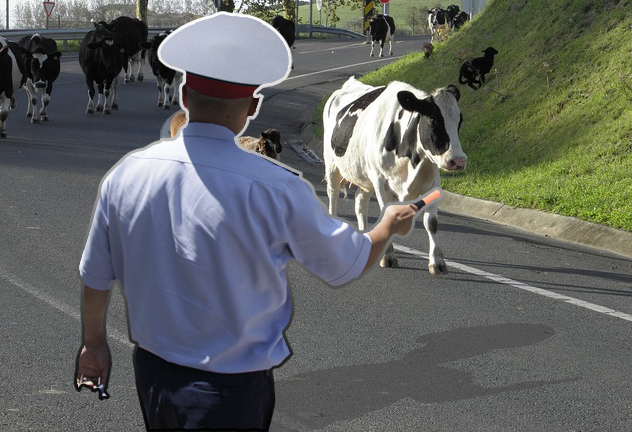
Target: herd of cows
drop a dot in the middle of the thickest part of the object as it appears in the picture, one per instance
(391, 141)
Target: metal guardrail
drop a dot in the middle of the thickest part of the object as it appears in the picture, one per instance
(64, 35)
(306, 28)
(61, 34)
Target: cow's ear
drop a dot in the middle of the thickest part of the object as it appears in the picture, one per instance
(265, 135)
(407, 100)
(454, 90)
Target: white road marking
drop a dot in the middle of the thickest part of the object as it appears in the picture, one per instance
(343, 67)
(61, 306)
(522, 286)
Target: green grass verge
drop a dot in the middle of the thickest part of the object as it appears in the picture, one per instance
(561, 139)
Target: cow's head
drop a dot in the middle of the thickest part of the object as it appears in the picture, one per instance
(42, 67)
(433, 129)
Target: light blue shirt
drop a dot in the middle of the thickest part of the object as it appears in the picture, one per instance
(199, 232)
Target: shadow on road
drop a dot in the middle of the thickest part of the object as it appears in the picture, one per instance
(317, 399)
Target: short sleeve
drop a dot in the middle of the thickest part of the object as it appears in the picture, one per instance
(95, 267)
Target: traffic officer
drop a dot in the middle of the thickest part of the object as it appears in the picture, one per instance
(198, 232)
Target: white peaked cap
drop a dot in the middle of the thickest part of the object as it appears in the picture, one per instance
(227, 55)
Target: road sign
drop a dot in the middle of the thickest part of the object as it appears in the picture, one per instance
(384, 1)
(48, 7)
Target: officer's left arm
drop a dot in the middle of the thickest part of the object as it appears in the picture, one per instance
(94, 358)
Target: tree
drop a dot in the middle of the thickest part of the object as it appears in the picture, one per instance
(141, 10)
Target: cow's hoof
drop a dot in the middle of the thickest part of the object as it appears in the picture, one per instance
(107, 112)
(115, 107)
(3, 134)
(45, 118)
(89, 111)
(166, 106)
(34, 120)
(439, 269)
(99, 108)
(141, 78)
(131, 79)
(29, 115)
(388, 262)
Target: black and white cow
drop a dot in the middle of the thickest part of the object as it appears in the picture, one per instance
(130, 32)
(436, 19)
(458, 21)
(168, 80)
(42, 66)
(450, 12)
(12, 77)
(101, 59)
(392, 141)
(287, 29)
(382, 29)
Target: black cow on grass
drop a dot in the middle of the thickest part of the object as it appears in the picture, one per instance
(12, 77)
(130, 32)
(42, 66)
(101, 58)
(287, 29)
(473, 71)
(167, 80)
(382, 29)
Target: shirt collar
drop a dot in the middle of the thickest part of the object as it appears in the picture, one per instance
(208, 130)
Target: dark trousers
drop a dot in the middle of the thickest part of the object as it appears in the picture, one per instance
(178, 397)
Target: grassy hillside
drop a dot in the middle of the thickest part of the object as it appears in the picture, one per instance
(552, 128)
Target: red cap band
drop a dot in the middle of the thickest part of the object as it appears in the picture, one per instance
(219, 89)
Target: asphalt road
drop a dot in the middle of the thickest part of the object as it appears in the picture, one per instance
(526, 333)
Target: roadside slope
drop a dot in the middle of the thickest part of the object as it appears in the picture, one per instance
(552, 128)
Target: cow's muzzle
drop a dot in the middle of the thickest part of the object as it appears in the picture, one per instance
(456, 164)
(40, 84)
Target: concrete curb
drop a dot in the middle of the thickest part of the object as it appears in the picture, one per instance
(548, 224)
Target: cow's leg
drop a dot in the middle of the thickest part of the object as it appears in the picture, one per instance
(362, 199)
(333, 178)
(31, 97)
(46, 101)
(382, 47)
(5, 107)
(385, 196)
(114, 103)
(175, 89)
(141, 62)
(436, 264)
(41, 95)
(390, 46)
(129, 71)
(167, 99)
(372, 44)
(104, 98)
(102, 92)
(160, 83)
(90, 107)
